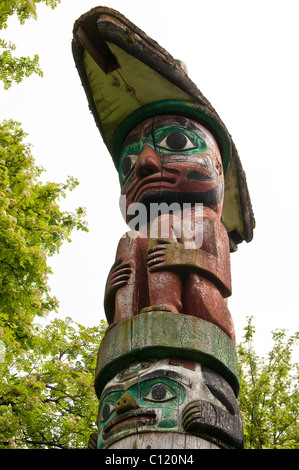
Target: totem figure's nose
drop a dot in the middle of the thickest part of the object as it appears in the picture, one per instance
(148, 162)
(125, 403)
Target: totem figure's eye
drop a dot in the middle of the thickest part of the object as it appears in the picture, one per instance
(107, 409)
(177, 141)
(160, 393)
(127, 165)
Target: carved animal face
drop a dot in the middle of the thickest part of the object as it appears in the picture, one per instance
(171, 158)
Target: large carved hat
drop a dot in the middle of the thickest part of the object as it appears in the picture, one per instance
(128, 77)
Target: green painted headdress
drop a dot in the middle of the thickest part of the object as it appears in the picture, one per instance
(128, 77)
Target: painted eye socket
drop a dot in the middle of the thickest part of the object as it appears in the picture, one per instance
(127, 165)
(107, 409)
(176, 141)
(159, 393)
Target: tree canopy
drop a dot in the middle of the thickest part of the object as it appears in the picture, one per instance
(32, 227)
(14, 69)
(47, 397)
(46, 385)
(269, 392)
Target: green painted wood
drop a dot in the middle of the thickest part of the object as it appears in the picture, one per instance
(158, 334)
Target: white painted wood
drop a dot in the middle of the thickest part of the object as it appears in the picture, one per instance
(163, 440)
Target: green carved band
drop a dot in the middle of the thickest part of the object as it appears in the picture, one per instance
(188, 109)
(161, 335)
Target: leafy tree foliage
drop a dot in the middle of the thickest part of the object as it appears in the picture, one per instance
(269, 392)
(47, 397)
(32, 227)
(16, 68)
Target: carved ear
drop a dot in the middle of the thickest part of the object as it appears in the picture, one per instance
(128, 77)
(222, 426)
(214, 424)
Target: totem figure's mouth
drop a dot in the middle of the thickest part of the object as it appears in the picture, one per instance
(130, 419)
(153, 183)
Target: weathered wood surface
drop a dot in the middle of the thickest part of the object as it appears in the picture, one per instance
(162, 334)
(102, 30)
(163, 441)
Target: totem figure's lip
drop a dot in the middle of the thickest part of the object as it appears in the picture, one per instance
(198, 159)
(130, 419)
(153, 183)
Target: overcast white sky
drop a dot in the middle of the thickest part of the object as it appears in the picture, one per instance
(243, 56)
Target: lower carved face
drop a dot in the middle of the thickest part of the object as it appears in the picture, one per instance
(156, 397)
(171, 158)
(144, 397)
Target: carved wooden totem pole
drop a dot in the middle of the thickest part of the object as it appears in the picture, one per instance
(167, 374)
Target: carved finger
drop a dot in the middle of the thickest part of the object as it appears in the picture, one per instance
(122, 277)
(156, 267)
(155, 255)
(121, 266)
(117, 272)
(155, 261)
(156, 248)
(119, 284)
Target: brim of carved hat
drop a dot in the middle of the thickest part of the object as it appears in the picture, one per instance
(128, 77)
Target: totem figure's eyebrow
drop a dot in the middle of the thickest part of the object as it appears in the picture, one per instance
(136, 137)
(113, 388)
(131, 139)
(166, 373)
(175, 121)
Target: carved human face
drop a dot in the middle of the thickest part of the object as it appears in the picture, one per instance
(151, 396)
(144, 397)
(171, 158)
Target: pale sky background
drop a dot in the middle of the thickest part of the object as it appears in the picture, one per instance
(243, 56)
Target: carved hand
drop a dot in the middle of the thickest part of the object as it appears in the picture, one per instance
(118, 277)
(168, 254)
(174, 256)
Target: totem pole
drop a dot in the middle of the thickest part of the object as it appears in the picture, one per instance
(167, 374)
